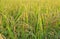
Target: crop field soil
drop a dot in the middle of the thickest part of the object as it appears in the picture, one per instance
(29, 19)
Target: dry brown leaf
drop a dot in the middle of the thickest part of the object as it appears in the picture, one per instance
(1, 36)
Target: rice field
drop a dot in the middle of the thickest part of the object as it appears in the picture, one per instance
(29, 19)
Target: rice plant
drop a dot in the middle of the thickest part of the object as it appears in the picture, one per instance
(29, 19)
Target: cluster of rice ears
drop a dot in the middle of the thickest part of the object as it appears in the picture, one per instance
(30, 19)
